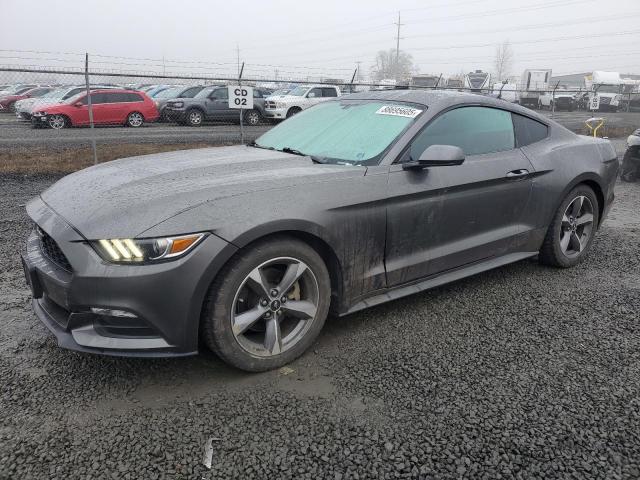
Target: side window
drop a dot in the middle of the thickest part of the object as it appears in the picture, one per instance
(220, 94)
(98, 98)
(476, 130)
(314, 93)
(133, 97)
(329, 92)
(256, 93)
(527, 130)
(114, 97)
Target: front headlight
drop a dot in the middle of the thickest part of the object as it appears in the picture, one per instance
(281, 105)
(39, 114)
(177, 104)
(145, 250)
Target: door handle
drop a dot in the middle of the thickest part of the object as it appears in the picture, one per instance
(516, 174)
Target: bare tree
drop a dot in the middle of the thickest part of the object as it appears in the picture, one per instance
(385, 65)
(503, 61)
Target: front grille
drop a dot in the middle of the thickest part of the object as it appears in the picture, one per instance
(605, 100)
(270, 104)
(51, 250)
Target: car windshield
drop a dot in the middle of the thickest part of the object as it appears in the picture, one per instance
(71, 100)
(169, 92)
(54, 94)
(347, 131)
(608, 88)
(298, 91)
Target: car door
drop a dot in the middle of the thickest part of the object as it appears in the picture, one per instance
(314, 96)
(446, 217)
(79, 110)
(99, 107)
(217, 105)
(115, 107)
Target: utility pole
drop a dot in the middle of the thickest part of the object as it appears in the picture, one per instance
(397, 48)
(238, 55)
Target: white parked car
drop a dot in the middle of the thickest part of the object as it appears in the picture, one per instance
(305, 96)
(562, 101)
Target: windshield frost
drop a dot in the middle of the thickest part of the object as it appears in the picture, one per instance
(348, 131)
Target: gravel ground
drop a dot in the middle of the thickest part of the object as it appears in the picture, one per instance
(521, 372)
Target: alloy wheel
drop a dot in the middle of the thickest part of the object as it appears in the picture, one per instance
(135, 119)
(57, 122)
(577, 226)
(253, 118)
(195, 118)
(275, 306)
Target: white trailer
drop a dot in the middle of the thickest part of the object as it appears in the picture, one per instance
(429, 81)
(605, 89)
(477, 81)
(533, 84)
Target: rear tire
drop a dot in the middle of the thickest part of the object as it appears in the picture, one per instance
(570, 235)
(252, 117)
(135, 119)
(294, 316)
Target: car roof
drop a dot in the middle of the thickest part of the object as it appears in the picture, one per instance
(441, 99)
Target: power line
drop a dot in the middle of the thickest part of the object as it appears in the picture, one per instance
(526, 27)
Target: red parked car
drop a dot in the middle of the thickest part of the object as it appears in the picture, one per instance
(110, 107)
(8, 102)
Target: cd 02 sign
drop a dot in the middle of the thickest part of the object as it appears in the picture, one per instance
(240, 97)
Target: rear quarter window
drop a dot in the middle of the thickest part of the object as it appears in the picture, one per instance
(528, 130)
(133, 97)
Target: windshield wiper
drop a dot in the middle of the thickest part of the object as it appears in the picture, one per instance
(293, 150)
(255, 145)
(298, 152)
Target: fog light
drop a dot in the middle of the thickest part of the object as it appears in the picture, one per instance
(112, 313)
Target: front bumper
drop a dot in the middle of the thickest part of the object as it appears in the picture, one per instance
(39, 120)
(174, 114)
(163, 301)
(276, 112)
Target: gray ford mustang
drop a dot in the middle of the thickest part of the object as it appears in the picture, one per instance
(349, 204)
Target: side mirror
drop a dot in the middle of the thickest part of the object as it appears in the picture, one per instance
(77, 104)
(437, 156)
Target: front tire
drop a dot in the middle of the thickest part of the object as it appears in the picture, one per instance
(58, 122)
(293, 111)
(268, 305)
(571, 233)
(194, 118)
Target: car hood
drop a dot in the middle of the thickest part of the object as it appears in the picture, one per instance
(124, 198)
(288, 98)
(30, 103)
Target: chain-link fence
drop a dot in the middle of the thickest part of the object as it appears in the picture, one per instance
(48, 122)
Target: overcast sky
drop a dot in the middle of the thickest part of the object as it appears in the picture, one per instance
(321, 37)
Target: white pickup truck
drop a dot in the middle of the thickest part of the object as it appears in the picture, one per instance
(305, 96)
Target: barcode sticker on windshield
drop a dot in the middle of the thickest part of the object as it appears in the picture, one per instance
(399, 111)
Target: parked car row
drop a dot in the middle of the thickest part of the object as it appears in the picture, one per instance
(135, 104)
